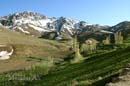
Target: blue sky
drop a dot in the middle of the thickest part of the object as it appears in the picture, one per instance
(104, 12)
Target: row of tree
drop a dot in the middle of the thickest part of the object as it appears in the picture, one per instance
(90, 45)
(118, 38)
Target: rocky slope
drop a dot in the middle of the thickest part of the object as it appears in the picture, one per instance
(123, 79)
(123, 27)
(36, 24)
(40, 22)
(39, 25)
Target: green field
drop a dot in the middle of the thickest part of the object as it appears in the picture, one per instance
(94, 71)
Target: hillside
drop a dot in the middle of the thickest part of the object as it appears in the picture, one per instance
(95, 71)
(28, 50)
(91, 70)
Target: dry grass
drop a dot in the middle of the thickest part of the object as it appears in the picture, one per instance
(28, 50)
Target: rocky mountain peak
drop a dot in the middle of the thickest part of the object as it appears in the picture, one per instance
(35, 24)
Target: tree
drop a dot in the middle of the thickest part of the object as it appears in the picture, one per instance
(107, 40)
(118, 38)
(89, 46)
(77, 56)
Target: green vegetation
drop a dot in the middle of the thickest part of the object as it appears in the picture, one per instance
(89, 46)
(94, 71)
(118, 38)
(77, 56)
(40, 62)
(107, 40)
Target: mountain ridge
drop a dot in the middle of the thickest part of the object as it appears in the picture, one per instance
(41, 22)
(36, 24)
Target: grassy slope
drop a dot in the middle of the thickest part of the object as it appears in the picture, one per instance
(27, 46)
(88, 72)
(84, 74)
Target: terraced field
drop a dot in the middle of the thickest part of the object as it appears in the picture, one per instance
(95, 71)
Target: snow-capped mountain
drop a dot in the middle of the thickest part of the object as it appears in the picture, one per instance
(34, 24)
(27, 22)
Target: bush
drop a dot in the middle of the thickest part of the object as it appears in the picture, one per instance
(45, 66)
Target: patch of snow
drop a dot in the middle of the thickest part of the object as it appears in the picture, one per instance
(58, 38)
(68, 28)
(31, 20)
(5, 57)
(5, 54)
(44, 22)
(25, 27)
(38, 28)
(23, 30)
(104, 31)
